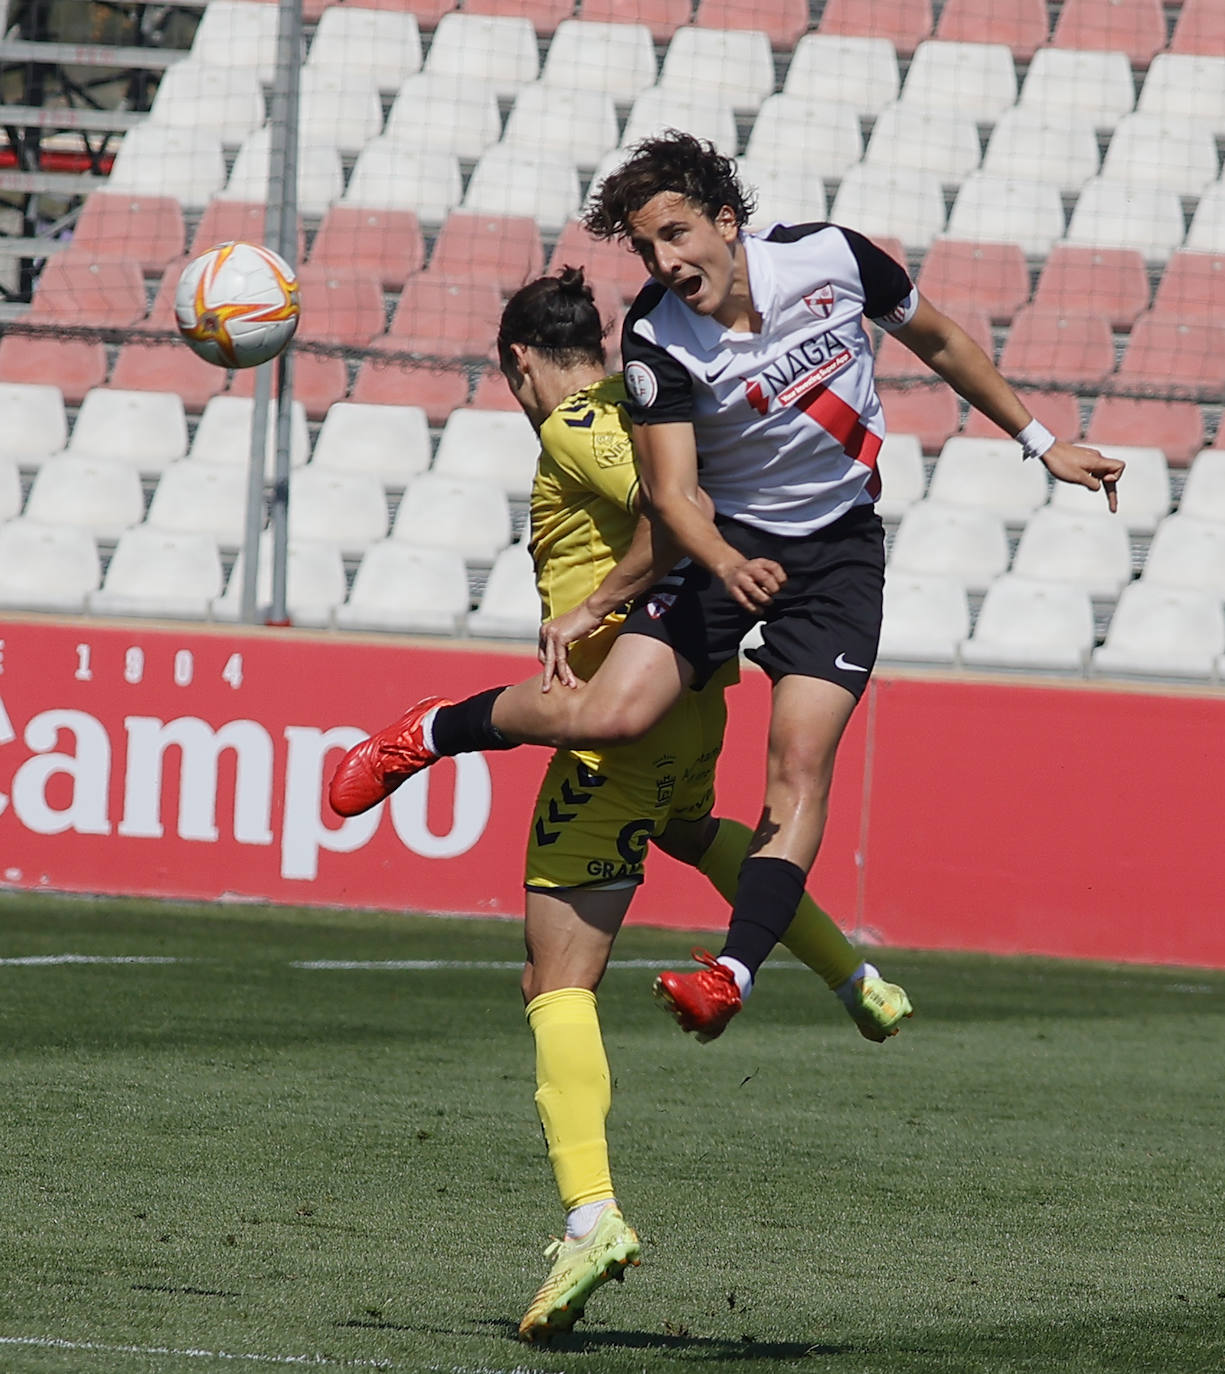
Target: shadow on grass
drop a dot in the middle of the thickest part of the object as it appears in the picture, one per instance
(593, 1339)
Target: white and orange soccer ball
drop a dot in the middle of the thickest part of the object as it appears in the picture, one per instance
(237, 305)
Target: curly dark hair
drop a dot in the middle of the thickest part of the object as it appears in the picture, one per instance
(557, 315)
(671, 161)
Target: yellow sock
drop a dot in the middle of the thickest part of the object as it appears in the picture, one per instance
(812, 936)
(573, 1092)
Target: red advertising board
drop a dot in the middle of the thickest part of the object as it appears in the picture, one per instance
(991, 815)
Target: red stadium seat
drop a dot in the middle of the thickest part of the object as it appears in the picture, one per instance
(782, 20)
(161, 312)
(75, 291)
(311, 9)
(1136, 27)
(504, 250)
(492, 393)
(990, 277)
(1175, 427)
(606, 261)
(906, 23)
(426, 12)
(1192, 287)
(1200, 28)
(930, 412)
(233, 221)
(340, 305)
(1059, 411)
(147, 229)
(1164, 353)
(388, 243)
(75, 366)
(447, 318)
(662, 17)
(894, 361)
(1023, 25)
(319, 382)
(1107, 281)
(381, 381)
(143, 366)
(1053, 345)
(544, 14)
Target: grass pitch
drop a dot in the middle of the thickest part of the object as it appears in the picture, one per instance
(230, 1161)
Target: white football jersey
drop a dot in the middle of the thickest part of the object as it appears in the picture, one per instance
(788, 423)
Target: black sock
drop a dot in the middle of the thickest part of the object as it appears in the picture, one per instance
(467, 727)
(767, 896)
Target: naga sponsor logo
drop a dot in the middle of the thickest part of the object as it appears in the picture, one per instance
(797, 371)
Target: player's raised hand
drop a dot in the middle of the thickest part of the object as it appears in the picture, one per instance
(1085, 467)
(554, 642)
(754, 582)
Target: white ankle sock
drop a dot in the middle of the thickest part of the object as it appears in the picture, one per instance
(580, 1220)
(427, 730)
(744, 979)
(846, 991)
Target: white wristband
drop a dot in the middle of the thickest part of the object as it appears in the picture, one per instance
(1035, 439)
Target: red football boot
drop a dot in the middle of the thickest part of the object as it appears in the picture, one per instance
(702, 1002)
(373, 769)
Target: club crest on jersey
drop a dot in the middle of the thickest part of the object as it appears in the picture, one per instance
(641, 383)
(821, 301)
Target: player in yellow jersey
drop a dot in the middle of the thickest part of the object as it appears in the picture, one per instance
(598, 809)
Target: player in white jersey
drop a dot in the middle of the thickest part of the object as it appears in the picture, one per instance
(749, 371)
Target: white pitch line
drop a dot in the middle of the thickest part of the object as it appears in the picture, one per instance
(425, 965)
(38, 959)
(316, 1361)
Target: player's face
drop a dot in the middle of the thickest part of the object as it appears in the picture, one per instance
(685, 250)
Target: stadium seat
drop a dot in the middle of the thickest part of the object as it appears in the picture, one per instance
(348, 509)
(320, 174)
(464, 514)
(733, 65)
(1116, 214)
(1192, 287)
(977, 81)
(805, 138)
(494, 50)
(577, 125)
(224, 434)
(1107, 281)
(492, 393)
(1144, 492)
(77, 366)
(1175, 427)
(1199, 29)
(46, 567)
(314, 583)
(160, 573)
(937, 141)
(146, 230)
(781, 193)
(1022, 26)
(342, 305)
(661, 17)
(1175, 152)
(545, 15)
(605, 260)
(384, 380)
(1203, 493)
(391, 443)
(226, 221)
(1079, 550)
(1187, 552)
(446, 317)
(903, 476)
(390, 176)
(145, 428)
(407, 588)
(494, 446)
(102, 495)
(989, 475)
(988, 277)
(617, 59)
(926, 616)
(928, 412)
(1206, 233)
(861, 72)
(186, 163)
(1183, 86)
(384, 45)
(142, 366)
(340, 108)
(1098, 85)
(237, 33)
(894, 361)
(1163, 353)
(1033, 626)
(965, 542)
(905, 23)
(75, 291)
(510, 180)
(782, 21)
(33, 424)
(205, 498)
(224, 99)
(386, 243)
(444, 115)
(1133, 27)
(1036, 144)
(1048, 345)
(10, 488)
(1162, 632)
(1059, 411)
(510, 604)
(991, 209)
(700, 113)
(319, 381)
(891, 202)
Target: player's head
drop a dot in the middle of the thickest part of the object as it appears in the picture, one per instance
(551, 331)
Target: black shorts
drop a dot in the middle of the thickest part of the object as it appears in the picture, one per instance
(824, 623)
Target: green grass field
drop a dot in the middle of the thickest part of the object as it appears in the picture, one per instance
(226, 1161)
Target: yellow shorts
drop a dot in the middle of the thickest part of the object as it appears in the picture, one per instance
(597, 809)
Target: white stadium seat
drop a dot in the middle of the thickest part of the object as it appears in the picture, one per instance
(510, 603)
(1096, 84)
(186, 163)
(320, 173)
(390, 176)
(1203, 493)
(992, 209)
(407, 589)
(495, 50)
(102, 495)
(1174, 152)
(1206, 233)
(390, 442)
(810, 138)
(224, 434)
(926, 616)
(237, 33)
(383, 44)
(10, 488)
(1144, 491)
(145, 428)
(1163, 632)
(344, 508)
(1033, 143)
(1078, 549)
(782, 194)
(891, 202)
(340, 108)
(160, 573)
(46, 567)
(618, 59)
(1119, 214)
(855, 71)
(33, 423)
(463, 514)
(903, 475)
(225, 100)
(939, 141)
(445, 116)
(1033, 625)
(963, 542)
(991, 475)
(495, 446)
(1186, 86)
(1187, 552)
(736, 65)
(577, 125)
(701, 113)
(314, 583)
(205, 498)
(521, 181)
(976, 80)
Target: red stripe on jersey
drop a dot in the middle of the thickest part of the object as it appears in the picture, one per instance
(841, 420)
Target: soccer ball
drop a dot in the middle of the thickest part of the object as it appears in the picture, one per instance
(237, 304)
